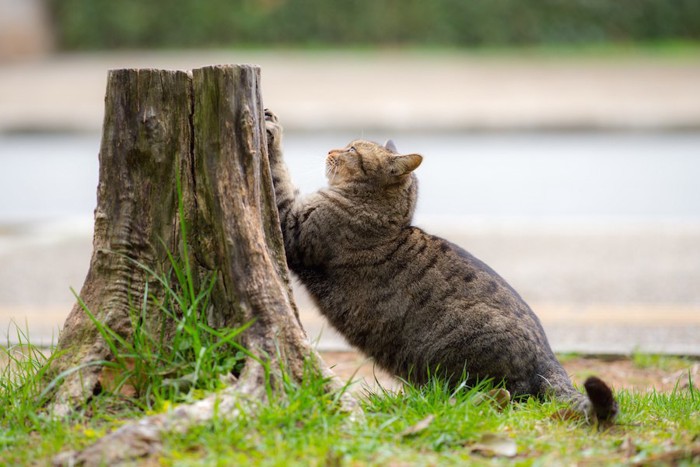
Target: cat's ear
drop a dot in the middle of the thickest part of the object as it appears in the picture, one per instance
(390, 146)
(407, 163)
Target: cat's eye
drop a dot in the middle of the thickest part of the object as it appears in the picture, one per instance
(352, 149)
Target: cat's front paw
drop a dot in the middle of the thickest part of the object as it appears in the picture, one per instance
(273, 129)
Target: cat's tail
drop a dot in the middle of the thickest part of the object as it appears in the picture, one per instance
(597, 404)
(602, 400)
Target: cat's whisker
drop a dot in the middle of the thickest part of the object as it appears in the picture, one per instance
(331, 172)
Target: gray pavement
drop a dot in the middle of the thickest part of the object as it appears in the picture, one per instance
(597, 291)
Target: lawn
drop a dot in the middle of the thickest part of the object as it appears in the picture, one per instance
(404, 425)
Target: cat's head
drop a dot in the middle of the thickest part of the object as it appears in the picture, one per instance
(369, 163)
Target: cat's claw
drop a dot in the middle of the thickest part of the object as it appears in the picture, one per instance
(270, 116)
(272, 125)
(273, 130)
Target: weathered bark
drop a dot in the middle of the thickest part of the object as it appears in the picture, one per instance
(209, 128)
(146, 136)
(236, 228)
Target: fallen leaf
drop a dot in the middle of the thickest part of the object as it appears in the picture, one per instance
(113, 380)
(418, 427)
(500, 398)
(495, 445)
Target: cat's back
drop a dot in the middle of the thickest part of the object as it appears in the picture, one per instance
(414, 261)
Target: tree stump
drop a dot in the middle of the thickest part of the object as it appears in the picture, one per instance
(207, 128)
(146, 139)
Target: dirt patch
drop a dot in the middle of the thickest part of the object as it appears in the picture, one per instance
(624, 373)
(619, 372)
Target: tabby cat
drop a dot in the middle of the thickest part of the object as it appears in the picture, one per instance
(419, 305)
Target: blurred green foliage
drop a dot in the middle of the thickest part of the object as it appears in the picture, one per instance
(109, 24)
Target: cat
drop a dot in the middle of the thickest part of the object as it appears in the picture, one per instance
(418, 304)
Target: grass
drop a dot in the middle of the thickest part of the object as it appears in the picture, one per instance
(427, 425)
(663, 362)
(160, 367)
(303, 426)
(300, 431)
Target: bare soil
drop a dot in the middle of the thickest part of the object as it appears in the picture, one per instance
(618, 372)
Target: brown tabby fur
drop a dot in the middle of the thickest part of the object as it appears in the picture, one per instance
(416, 303)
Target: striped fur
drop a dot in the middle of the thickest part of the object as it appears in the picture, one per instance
(416, 303)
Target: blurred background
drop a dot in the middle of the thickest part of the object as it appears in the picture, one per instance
(561, 139)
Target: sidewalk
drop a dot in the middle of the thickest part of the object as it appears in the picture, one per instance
(394, 90)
